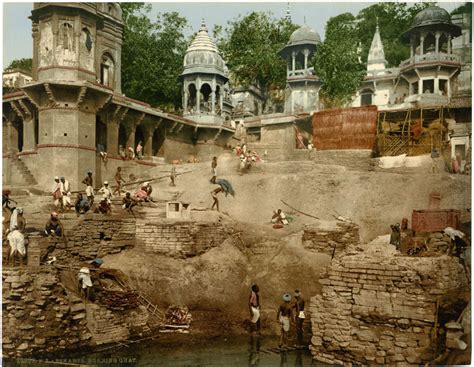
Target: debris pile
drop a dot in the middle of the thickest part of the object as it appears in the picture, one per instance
(118, 300)
(178, 316)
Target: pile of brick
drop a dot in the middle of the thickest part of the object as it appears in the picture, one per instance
(329, 241)
(380, 309)
(117, 299)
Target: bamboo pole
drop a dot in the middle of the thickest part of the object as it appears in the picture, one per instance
(137, 182)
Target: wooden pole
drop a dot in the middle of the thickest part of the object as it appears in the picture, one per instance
(299, 211)
(137, 182)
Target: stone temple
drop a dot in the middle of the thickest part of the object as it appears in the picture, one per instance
(73, 101)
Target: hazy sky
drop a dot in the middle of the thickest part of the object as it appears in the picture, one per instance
(17, 41)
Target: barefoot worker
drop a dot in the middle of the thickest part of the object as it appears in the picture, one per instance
(284, 315)
(254, 308)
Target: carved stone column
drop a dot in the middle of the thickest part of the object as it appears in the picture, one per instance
(148, 144)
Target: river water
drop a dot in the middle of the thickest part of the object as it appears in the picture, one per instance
(232, 351)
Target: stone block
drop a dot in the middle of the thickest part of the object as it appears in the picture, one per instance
(39, 341)
(22, 347)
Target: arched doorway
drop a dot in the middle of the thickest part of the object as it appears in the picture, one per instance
(205, 93)
(139, 136)
(122, 137)
(192, 98)
(100, 134)
(19, 128)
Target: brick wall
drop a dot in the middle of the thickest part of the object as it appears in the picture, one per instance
(99, 236)
(381, 310)
(180, 239)
(108, 326)
(325, 240)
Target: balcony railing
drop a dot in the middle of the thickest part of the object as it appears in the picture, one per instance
(300, 73)
(431, 57)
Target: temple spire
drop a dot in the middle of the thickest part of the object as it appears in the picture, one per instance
(376, 59)
(288, 14)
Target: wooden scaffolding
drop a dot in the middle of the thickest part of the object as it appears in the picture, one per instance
(411, 131)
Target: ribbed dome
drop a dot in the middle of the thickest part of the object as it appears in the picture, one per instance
(303, 35)
(202, 56)
(431, 15)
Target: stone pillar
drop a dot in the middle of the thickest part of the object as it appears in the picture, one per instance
(448, 88)
(113, 137)
(148, 143)
(35, 35)
(306, 52)
(437, 35)
(422, 41)
(221, 102)
(449, 44)
(293, 61)
(436, 86)
(412, 46)
(213, 96)
(185, 101)
(29, 134)
(420, 86)
(213, 102)
(130, 135)
(198, 96)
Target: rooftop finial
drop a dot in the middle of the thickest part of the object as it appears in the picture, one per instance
(288, 14)
(377, 27)
(203, 25)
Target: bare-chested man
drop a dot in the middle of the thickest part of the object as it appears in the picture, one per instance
(284, 316)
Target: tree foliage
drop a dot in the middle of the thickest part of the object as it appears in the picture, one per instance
(250, 46)
(152, 55)
(466, 8)
(337, 63)
(25, 64)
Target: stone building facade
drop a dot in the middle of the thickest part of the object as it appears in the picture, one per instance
(434, 74)
(74, 103)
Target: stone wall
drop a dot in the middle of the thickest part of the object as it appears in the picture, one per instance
(326, 240)
(376, 309)
(101, 235)
(38, 316)
(179, 239)
(109, 326)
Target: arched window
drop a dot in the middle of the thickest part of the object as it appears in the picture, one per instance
(107, 71)
(299, 60)
(443, 43)
(366, 97)
(192, 97)
(205, 93)
(429, 44)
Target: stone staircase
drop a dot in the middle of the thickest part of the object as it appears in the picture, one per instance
(21, 173)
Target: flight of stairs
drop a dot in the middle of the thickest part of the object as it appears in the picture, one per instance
(21, 173)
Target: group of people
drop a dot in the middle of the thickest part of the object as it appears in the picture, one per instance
(288, 313)
(247, 158)
(130, 153)
(61, 192)
(84, 203)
